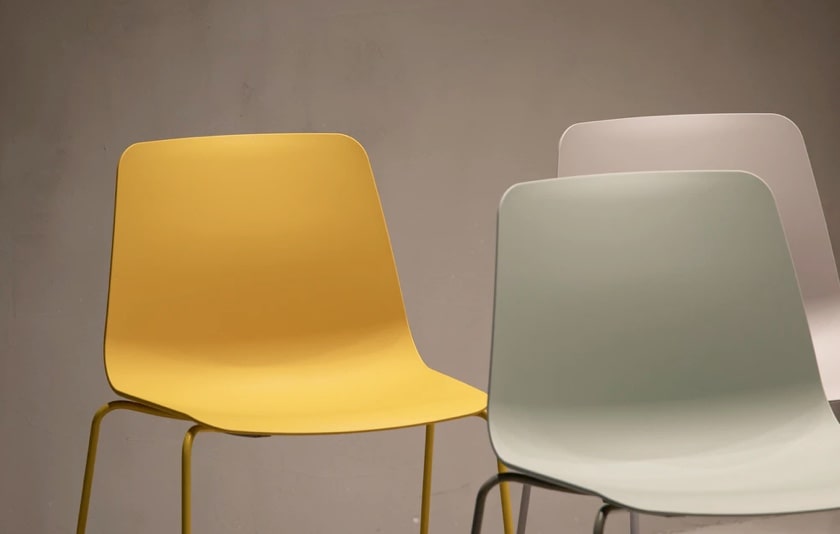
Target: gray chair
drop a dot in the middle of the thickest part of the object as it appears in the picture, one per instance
(650, 348)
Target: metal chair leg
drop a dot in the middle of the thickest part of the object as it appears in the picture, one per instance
(634, 522)
(93, 444)
(186, 477)
(504, 495)
(505, 478)
(504, 492)
(524, 504)
(480, 500)
(601, 518)
(426, 495)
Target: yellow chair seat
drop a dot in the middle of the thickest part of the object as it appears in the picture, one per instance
(382, 392)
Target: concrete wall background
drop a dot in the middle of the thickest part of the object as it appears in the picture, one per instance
(454, 100)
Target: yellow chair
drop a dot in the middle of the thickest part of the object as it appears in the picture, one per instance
(253, 291)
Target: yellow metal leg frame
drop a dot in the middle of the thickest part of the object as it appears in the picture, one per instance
(425, 500)
(186, 477)
(507, 514)
(186, 469)
(504, 494)
(94, 441)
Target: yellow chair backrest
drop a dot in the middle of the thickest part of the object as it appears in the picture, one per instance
(266, 241)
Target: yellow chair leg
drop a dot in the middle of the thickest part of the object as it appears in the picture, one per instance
(186, 478)
(504, 489)
(426, 498)
(504, 492)
(90, 463)
(93, 443)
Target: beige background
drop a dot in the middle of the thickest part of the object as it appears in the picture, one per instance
(454, 100)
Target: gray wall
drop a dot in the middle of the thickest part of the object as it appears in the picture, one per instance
(454, 100)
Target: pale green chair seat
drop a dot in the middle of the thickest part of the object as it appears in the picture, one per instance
(748, 467)
(650, 347)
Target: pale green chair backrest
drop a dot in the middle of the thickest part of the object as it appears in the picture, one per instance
(635, 293)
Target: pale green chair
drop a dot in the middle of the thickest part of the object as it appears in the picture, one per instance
(650, 348)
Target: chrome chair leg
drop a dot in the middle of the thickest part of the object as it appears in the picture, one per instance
(634, 522)
(601, 518)
(524, 504)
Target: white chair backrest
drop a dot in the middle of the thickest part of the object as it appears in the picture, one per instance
(768, 145)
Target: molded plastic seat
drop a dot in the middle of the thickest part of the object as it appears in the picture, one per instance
(379, 385)
(766, 144)
(767, 460)
(650, 347)
(253, 291)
